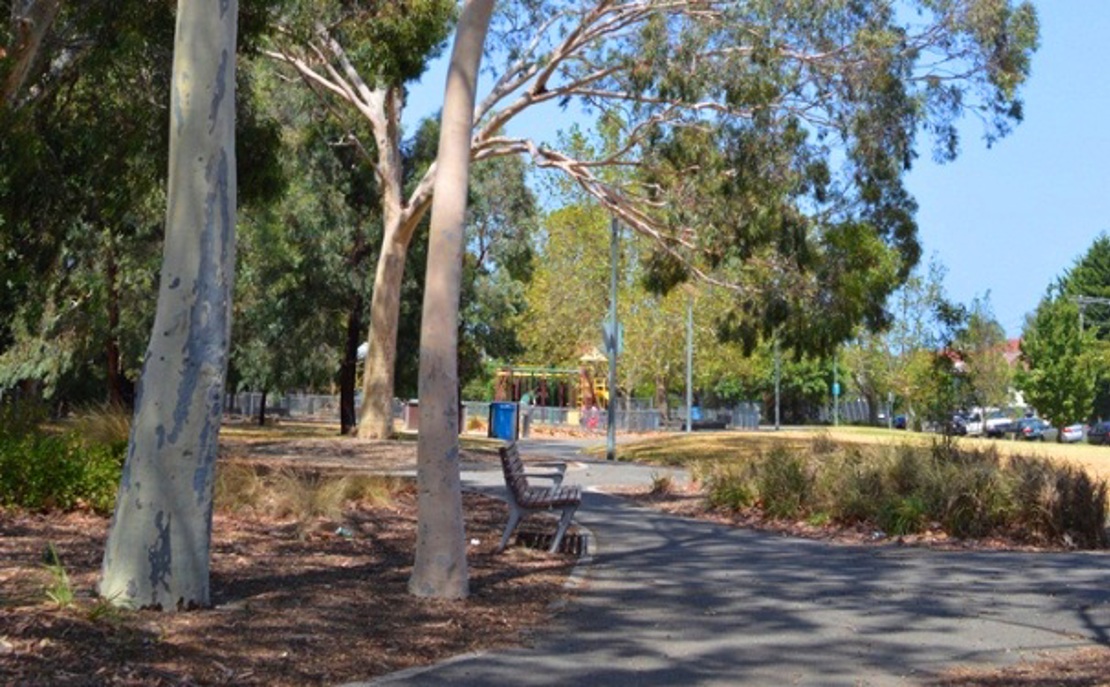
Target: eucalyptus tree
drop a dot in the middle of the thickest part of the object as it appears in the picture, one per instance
(440, 568)
(363, 54)
(83, 144)
(157, 554)
(770, 140)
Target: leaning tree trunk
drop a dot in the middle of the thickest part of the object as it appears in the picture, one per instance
(376, 421)
(157, 555)
(440, 566)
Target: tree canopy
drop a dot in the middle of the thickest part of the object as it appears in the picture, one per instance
(1060, 368)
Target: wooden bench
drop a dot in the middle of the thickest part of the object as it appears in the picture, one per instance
(525, 498)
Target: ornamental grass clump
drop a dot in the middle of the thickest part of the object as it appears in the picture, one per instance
(904, 490)
(784, 481)
(729, 486)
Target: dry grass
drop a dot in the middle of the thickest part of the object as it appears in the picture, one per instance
(299, 495)
(689, 449)
(103, 424)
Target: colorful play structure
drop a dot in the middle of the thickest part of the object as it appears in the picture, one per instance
(581, 389)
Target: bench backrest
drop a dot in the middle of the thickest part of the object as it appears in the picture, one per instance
(513, 468)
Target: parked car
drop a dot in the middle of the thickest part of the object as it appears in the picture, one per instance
(1031, 429)
(900, 422)
(998, 424)
(1072, 433)
(1099, 433)
(956, 426)
(972, 422)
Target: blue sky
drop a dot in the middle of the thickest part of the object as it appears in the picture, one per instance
(1006, 220)
(1009, 220)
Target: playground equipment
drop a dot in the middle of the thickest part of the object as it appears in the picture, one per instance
(556, 387)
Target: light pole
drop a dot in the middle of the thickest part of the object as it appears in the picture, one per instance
(612, 339)
(690, 364)
(778, 381)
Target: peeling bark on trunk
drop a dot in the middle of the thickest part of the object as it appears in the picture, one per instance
(440, 566)
(31, 22)
(157, 555)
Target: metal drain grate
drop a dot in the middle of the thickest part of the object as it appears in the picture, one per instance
(535, 538)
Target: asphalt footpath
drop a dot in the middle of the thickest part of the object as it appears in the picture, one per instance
(672, 601)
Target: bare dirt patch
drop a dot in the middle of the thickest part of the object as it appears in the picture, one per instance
(295, 603)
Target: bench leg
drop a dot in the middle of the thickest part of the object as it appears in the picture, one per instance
(515, 515)
(564, 523)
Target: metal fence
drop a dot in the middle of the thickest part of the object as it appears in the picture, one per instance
(641, 417)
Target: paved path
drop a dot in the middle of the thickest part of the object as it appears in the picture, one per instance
(670, 601)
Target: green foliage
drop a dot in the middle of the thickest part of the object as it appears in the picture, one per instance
(82, 169)
(1060, 372)
(910, 489)
(807, 211)
(729, 487)
(389, 43)
(784, 483)
(60, 589)
(44, 471)
(981, 342)
(1089, 278)
(902, 515)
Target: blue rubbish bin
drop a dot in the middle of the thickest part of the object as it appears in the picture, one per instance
(503, 420)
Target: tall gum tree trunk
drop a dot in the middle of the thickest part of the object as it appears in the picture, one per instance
(157, 555)
(440, 566)
(376, 420)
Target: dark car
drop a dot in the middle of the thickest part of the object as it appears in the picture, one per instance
(1099, 433)
(956, 426)
(1030, 429)
(899, 422)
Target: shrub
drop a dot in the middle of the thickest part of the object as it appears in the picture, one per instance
(784, 484)
(903, 515)
(1059, 504)
(901, 490)
(729, 487)
(43, 471)
(823, 443)
(853, 487)
(21, 419)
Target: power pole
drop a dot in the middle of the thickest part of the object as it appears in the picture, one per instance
(1083, 302)
(778, 382)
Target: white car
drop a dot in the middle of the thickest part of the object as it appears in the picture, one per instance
(997, 423)
(1072, 433)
